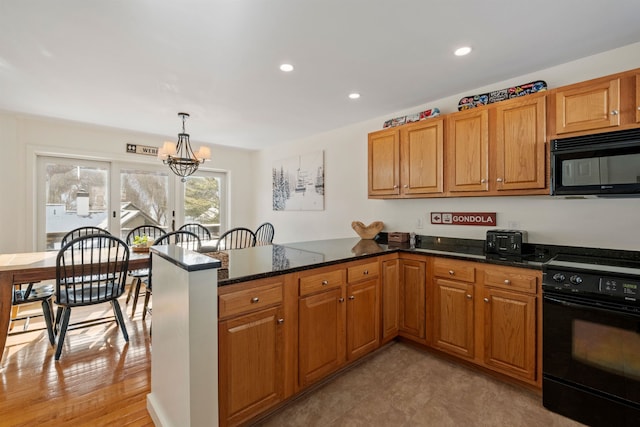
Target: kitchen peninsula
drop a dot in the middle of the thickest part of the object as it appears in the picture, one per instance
(290, 315)
(272, 299)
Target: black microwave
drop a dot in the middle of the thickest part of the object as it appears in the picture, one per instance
(605, 164)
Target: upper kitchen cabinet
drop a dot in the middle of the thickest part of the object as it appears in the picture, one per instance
(588, 106)
(499, 149)
(520, 144)
(407, 161)
(600, 105)
(468, 151)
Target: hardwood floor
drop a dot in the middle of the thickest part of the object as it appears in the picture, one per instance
(100, 379)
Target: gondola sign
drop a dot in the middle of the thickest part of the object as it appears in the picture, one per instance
(142, 149)
(487, 219)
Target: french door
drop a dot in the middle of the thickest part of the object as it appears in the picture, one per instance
(118, 196)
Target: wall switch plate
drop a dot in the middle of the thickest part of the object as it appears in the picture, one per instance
(419, 223)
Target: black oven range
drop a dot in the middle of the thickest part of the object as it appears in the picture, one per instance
(591, 339)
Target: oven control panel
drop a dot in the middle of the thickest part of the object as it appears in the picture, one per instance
(629, 289)
(585, 283)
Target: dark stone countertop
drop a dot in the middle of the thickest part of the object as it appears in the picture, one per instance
(270, 260)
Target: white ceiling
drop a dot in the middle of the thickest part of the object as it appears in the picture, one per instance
(134, 64)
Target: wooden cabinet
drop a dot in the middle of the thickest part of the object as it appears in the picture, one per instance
(363, 308)
(510, 327)
(390, 299)
(510, 332)
(412, 307)
(407, 161)
(453, 299)
(588, 106)
(603, 104)
(321, 338)
(637, 97)
(321, 324)
(520, 144)
(488, 314)
(338, 317)
(251, 351)
(499, 149)
(384, 163)
(467, 141)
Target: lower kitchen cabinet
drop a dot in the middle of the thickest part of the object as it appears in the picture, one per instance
(321, 334)
(412, 306)
(510, 332)
(251, 353)
(390, 299)
(363, 318)
(453, 323)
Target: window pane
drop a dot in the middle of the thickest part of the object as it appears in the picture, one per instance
(144, 199)
(76, 195)
(202, 202)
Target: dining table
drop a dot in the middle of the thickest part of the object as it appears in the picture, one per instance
(30, 267)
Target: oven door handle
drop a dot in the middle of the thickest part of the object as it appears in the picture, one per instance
(584, 305)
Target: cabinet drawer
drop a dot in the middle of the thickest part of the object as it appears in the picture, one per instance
(321, 281)
(515, 279)
(249, 300)
(456, 270)
(364, 271)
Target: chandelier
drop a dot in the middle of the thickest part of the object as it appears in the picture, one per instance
(180, 157)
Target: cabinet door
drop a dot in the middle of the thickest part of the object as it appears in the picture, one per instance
(588, 106)
(637, 103)
(412, 299)
(390, 299)
(468, 151)
(363, 318)
(251, 351)
(384, 163)
(421, 157)
(510, 332)
(453, 317)
(520, 136)
(321, 334)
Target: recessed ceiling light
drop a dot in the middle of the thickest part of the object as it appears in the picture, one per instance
(462, 51)
(354, 95)
(286, 67)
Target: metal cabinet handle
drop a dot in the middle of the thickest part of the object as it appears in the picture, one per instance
(614, 112)
(406, 186)
(340, 299)
(469, 296)
(451, 272)
(365, 272)
(507, 281)
(255, 300)
(482, 181)
(280, 321)
(395, 186)
(486, 300)
(352, 297)
(325, 282)
(638, 107)
(499, 180)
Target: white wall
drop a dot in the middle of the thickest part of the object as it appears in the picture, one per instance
(610, 223)
(22, 137)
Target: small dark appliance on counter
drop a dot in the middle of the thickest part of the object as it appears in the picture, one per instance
(505, 242)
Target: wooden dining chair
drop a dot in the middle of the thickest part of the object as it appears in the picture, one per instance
(183, 238)
(81, 231)
(236, 238)
(29, 293)
(198, 229)
(139, 277)
(90, 269)
(264, 234)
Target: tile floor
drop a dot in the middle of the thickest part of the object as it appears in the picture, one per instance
(404, 386)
